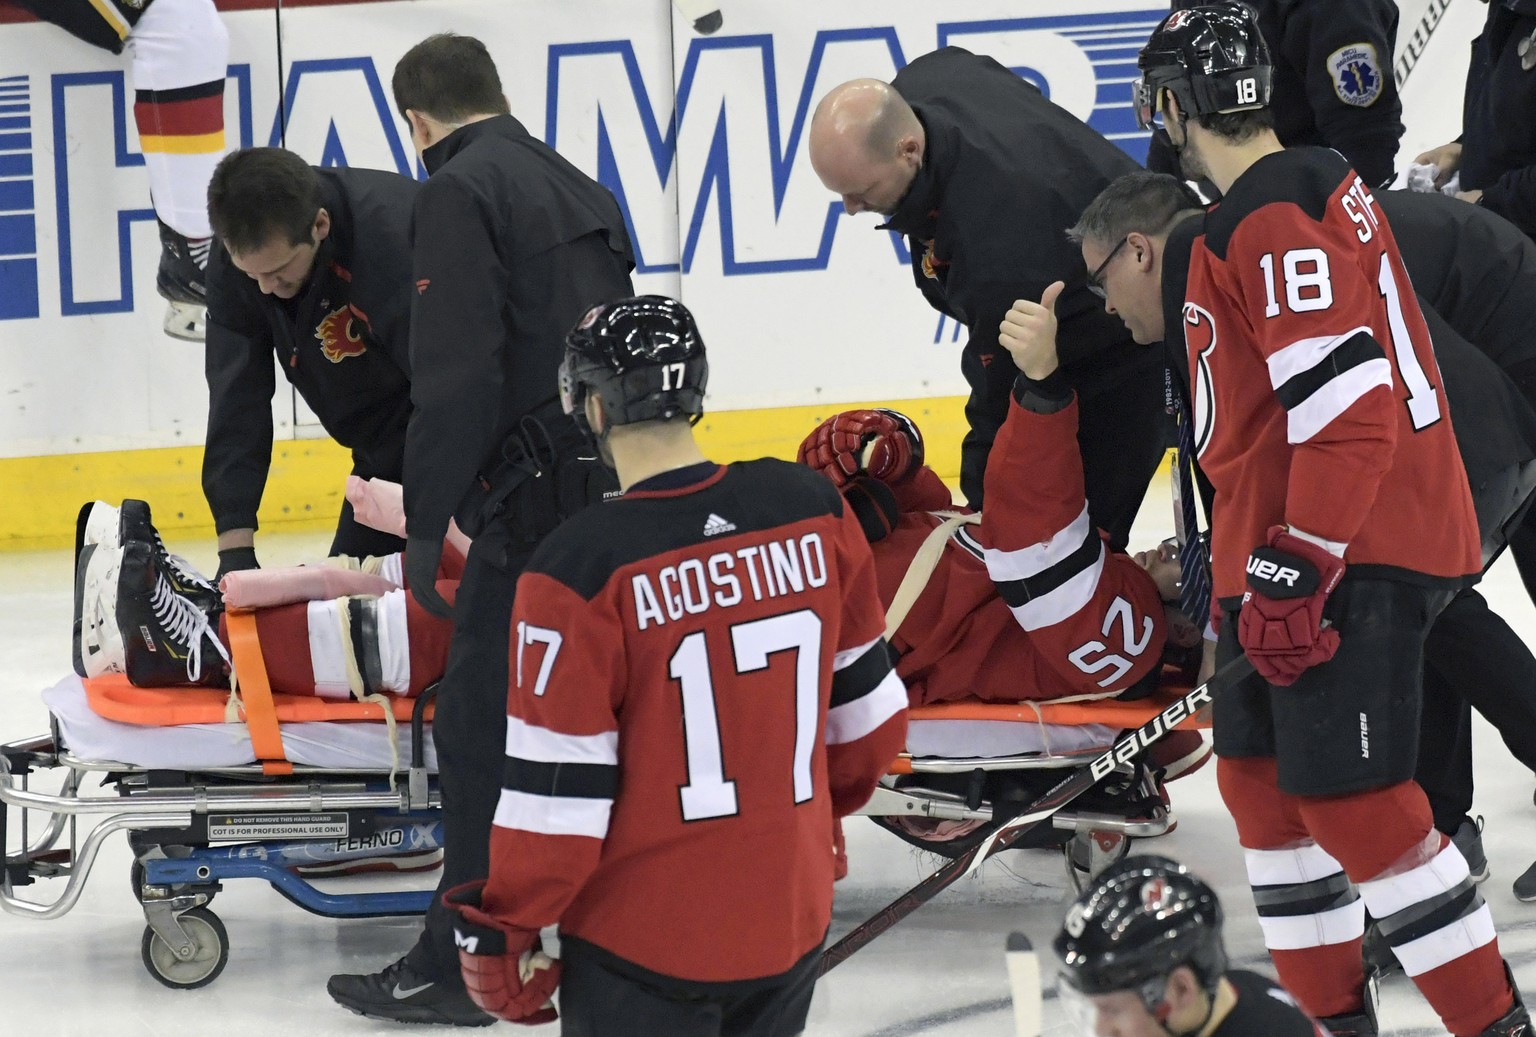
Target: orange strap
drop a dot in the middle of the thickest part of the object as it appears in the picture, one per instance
(256, 692)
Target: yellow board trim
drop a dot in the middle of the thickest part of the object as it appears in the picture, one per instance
(191, 144)
(304, 486)
(112, 18)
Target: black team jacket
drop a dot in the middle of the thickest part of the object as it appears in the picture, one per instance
(1005, 173)
(342, 343)
(512, 244)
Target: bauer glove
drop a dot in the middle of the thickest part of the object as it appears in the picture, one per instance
(1280, 625)
(505, 968)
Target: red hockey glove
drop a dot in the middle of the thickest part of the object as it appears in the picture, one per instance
(836, 447)
(1280, 625)
(505, 968)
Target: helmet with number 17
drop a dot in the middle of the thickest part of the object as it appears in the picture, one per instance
(642, 357)
(1211, 58)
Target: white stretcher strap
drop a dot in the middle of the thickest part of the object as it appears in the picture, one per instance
(924, 562)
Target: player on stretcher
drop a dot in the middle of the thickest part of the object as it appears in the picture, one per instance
(343, 629)
(1026, 601)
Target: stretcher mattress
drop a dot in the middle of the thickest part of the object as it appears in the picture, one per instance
(349, 745)
(980, 738)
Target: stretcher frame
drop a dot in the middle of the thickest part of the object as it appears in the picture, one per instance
(1094, 838)
(192, 831)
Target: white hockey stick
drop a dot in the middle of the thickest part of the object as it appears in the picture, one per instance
(1024, 985)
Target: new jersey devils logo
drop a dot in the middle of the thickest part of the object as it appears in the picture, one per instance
(1155, 895)
(1200, 337)
(339, 334)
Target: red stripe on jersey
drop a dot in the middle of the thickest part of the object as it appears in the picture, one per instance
(190, 118)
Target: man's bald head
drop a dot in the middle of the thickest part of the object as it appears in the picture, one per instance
(866, 145)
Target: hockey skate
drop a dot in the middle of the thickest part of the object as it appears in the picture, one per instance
(101, 523)
(98, 643)
(1517, 1021)
(1355, 1024)
(165, 634)
(182, 282)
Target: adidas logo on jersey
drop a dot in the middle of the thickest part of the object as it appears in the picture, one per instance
(715, 525)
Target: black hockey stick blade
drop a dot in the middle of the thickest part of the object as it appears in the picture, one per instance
(1058, 796)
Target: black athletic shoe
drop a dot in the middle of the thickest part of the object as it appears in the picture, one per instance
(182, 276)
(1525, 885)
(403, 995)
(1469, 840)
(167, 638)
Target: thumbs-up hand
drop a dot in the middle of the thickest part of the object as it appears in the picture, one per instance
(1028, 332)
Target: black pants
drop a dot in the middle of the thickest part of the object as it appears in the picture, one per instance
(469, 729)
(1472, 660)
(469, 726)
(602, 995)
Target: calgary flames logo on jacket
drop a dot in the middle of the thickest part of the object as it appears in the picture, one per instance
(341, 333)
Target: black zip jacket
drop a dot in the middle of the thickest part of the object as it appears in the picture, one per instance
(1498, 152)
(1005, 173)
(341, 342)
(1334, 84)
(511, 244)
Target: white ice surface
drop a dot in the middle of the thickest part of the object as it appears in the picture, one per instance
(940, 972)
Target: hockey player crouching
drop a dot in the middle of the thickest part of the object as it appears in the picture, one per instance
(1141, 955)
(733, 731)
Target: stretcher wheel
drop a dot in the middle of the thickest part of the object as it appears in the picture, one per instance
(208, 958)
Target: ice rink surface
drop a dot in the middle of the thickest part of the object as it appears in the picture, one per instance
(938, 973)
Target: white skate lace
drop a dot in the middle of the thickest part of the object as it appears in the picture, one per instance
(186, 624)
(184, 569)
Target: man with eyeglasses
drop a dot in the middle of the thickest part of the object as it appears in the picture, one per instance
(983, 173)
(312, 266)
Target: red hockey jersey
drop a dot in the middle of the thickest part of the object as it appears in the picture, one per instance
(1030, 603)
(698, 685)
(1317, 395)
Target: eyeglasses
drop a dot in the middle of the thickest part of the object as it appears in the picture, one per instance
(1095, 279)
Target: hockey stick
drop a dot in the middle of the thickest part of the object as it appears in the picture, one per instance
(1024, 985)
(1015, 828)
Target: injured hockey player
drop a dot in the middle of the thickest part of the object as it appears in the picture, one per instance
(1024, 601)
(338, 630)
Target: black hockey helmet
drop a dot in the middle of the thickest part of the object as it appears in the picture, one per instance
(1140, 919)
(642, 356)
(1212, 58)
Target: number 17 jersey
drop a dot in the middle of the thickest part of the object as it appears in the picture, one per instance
(1317, 397)
(698, 684)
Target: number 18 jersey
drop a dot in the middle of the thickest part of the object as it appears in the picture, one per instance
(1316, 393)
(699, 683)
